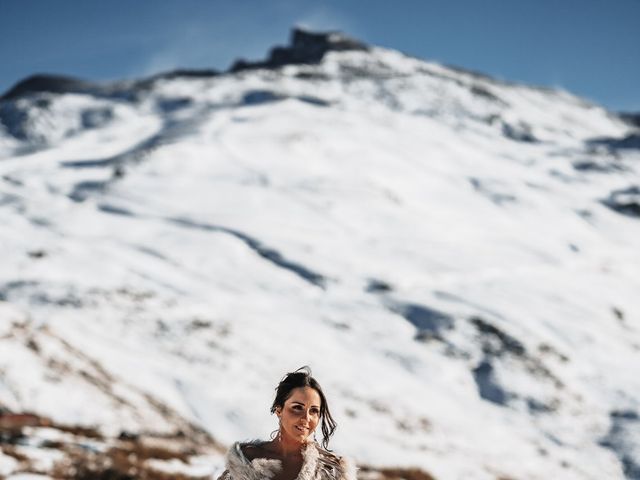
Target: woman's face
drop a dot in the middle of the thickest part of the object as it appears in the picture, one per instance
(300, 414)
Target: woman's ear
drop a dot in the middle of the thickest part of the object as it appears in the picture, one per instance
(278, 411)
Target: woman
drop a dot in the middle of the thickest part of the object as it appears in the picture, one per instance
(292, 453)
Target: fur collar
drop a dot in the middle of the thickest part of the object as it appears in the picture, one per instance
(317, 464)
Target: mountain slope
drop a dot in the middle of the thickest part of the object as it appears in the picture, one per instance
(455, 256)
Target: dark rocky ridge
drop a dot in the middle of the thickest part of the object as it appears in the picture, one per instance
(625, 201)
(49, 83)
(631, 118)
(305, 48)
(630, 141)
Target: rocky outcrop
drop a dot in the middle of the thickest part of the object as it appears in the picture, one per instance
(49, 83)
(306, 47)
(36, 445)
(625, 201)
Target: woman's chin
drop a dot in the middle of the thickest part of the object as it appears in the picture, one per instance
(298, 438)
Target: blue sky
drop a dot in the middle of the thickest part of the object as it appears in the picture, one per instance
(590, 47)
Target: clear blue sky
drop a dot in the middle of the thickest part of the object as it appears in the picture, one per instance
(590, 47)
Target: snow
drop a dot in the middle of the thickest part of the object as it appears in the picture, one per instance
(239, 239)
(28, 476)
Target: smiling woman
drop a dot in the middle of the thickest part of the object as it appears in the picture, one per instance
(293, 452)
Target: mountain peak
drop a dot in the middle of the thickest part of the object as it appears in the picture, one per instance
(305, 47)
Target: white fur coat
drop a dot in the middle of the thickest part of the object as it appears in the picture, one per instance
(317, 464)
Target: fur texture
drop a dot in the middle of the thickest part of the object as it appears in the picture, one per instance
(317, 464)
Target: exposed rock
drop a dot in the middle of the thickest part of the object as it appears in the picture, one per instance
(429, 322)
(491, 190)
(622, 440)
(49, 83)
(306, 48)
(16, 118)
(488, 387)
(520, 132)
(52, 83)
(597, 166)
(483, 92)
(257, 97)
(497, 346)
(378, 286)
(625, 201)
(188, 73)
(80, 453)
(495, 342)
(628, 142)
(631, 118)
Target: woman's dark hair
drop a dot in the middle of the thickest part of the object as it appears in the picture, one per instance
(302, 378)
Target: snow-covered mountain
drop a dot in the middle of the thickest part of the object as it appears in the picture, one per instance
(455, 256)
